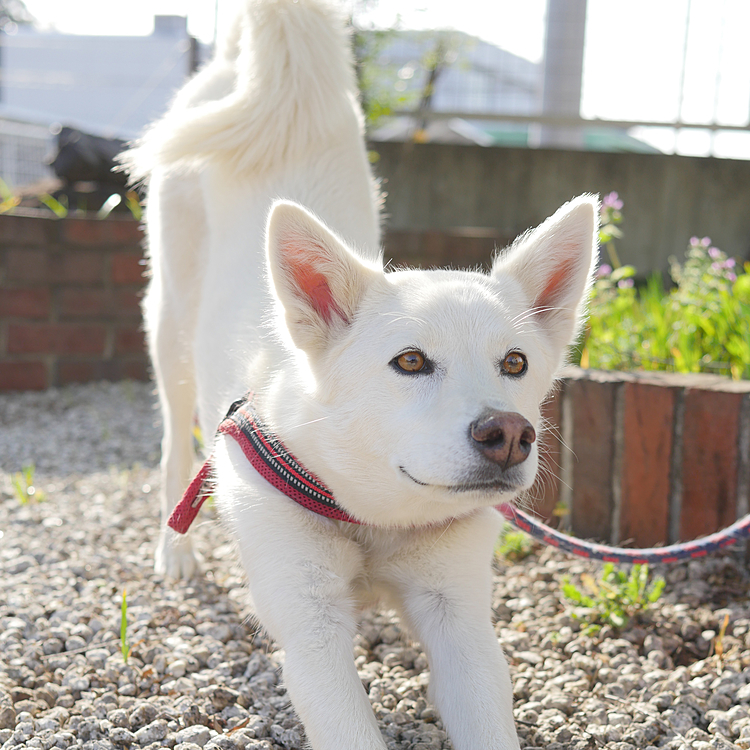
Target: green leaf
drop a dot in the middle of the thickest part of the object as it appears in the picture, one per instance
(54, 205)
(124, 645)
(571, 592)
(741, 288)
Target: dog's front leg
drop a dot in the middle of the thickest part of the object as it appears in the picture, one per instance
(307, 606)
(444, 588)
(301, 575)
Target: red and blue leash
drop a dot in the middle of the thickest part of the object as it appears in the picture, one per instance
(671, 554)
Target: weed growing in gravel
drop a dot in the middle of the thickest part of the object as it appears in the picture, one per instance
(513, 545)
(124, 644)
(615, 597)
(717, 645)
(23, 484)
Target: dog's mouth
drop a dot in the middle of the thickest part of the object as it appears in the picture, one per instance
(489, 485)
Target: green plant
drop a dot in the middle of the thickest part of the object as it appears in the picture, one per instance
(134, 205)
(513, 545)
(24, 487)
(9, 200)
(609, 226)
(615, 597)
(124, 644)
(378, 97)
(198, 443)
(702, 324)
(58, 208)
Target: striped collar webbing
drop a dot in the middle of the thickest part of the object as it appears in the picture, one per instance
(271, 460)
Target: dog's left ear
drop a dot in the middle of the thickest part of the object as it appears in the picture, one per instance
(554, 264)
(318, 280)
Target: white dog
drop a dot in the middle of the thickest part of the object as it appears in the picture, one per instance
(414, 396)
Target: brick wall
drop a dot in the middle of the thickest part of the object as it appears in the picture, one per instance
(648, 458)
(69, 301)
(70, 290)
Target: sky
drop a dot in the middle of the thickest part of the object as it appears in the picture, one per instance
(516, 26)
(642, 60)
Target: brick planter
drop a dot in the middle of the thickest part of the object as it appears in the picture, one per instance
(649, 458)
(69, 301)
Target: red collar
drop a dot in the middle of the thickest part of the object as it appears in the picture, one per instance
(271, 459)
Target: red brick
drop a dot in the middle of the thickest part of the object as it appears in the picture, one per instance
(27, 265)
(77, 372)
(127, 268)
(127, 302)
(79, 267)
(433, 252)
(85, 371)
(136, 369)
(469, 251)
(469, 247)
(710, 461)
(48, 267)
(56, 338)
(129, 340)
(27, 230)
(25, 303)
(648, 415)
(546, 490)
(84, 302)
(100, 232)
(403, 247)
(23, 376)
(593, 463)
(125, 231)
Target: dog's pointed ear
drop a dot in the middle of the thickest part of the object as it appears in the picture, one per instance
(554, 264)
(317, 279)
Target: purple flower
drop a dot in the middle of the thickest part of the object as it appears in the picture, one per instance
(603, 270)
(612, 200)
(714, 252)
(706, 241)
(625, 283)
(694, 241)
(731, 277)
(729, 263)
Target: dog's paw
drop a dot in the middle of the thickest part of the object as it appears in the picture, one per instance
(175, 557)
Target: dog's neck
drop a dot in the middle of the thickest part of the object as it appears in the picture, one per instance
(270, 458)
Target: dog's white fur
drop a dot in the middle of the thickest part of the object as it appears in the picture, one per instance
(315, 336)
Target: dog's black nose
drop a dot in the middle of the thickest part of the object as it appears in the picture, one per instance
(505, 437)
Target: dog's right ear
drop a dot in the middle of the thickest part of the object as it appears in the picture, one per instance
(317, 279)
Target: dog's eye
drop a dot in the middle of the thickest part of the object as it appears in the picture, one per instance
(514, 364)
(411, 362)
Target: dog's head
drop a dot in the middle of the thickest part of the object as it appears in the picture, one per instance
(424, 401)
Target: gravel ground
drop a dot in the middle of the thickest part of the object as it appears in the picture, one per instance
(201, 674)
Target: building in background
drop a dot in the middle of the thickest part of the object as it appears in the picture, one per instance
(462, 89)
(108, 86)
(453, 72)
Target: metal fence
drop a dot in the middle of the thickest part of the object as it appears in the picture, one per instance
(24, 150)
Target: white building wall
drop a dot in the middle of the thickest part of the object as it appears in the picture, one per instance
(111, 86)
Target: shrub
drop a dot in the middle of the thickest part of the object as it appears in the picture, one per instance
(701, 324)
(615, 598)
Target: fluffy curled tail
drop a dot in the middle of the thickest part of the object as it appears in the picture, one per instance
(281, 84)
